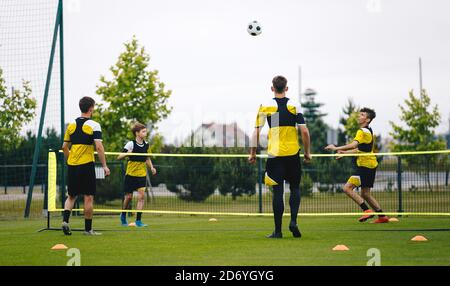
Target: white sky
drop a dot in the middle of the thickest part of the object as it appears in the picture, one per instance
(364, 49)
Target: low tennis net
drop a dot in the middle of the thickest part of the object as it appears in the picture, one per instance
(200, 182)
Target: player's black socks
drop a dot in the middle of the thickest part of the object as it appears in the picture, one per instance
(66, 216)
(380, 211)
(278, 206)
(125, 207)
(294, 203)
(364, 206)
(87, 224)
(138, 216)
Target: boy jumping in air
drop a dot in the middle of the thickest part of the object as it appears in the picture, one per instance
(366, 167)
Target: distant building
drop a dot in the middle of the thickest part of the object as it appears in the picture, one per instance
(332, 136)
(386, 144)
(445, 136)
(263, 141)
(218, 135)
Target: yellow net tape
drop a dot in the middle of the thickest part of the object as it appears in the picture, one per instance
(260, 214)
(51, 182)
(266, 156)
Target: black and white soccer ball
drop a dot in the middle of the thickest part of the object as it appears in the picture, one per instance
(254, 28)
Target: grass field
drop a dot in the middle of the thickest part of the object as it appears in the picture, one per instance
(193, 240)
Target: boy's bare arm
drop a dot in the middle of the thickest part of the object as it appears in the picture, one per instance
(350, 146)
(101, 156)
(304, 131)
(150, 165)
(254, 142)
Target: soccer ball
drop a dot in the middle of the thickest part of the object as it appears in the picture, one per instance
(254, 28)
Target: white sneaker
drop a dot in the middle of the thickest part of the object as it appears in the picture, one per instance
(92, 233)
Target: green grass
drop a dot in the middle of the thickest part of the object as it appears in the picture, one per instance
(193, 240)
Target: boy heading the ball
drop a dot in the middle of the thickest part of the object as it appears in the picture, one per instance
(136, 173)
(283, 150)
(366, 166)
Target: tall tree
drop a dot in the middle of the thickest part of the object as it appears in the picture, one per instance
(16, 109)
(336, 172)
(311, 108)
(417, 133)
(135, 93)
(21, 155)
(314, 119)
(344, 129)
(318, 132)
(351, 126)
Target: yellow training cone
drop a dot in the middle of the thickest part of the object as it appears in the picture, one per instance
(393, 219)
(419, 238)
(212, 219)
(132, 224)
(340, 247)
(59, 247)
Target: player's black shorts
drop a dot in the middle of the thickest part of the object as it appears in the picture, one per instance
(81, 180)
(132, 183)
(363, 177)
(287, 168)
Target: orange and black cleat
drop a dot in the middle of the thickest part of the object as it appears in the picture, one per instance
(368, 215)
(381, 219)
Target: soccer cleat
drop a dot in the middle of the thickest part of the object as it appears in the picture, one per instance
(92, 233)
(140, 224)
(275, 235)
(295, 231)
(382, 219)
(66, 228)
(368, 215)
(123, 220)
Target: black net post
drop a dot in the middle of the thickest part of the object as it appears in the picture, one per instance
(260, 208)
(399, 184)
(6, 177)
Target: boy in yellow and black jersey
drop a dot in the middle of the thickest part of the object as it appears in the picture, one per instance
(283, 149)
(81, 138)
(136, 173)
(366, 166)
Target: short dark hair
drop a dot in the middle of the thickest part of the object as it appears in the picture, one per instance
(86, 103)
(279, 83)
(137, 127)
(370, 113)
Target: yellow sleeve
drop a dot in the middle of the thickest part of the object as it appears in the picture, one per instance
(260, 118)
(69, 131)
(374, 145)
(362, 137)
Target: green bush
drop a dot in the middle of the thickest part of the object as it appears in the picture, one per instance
(195, 179)
(111, 188)
(306, 185)
(192, 179)
(338, 189)
(235, 176)
(324, 188)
